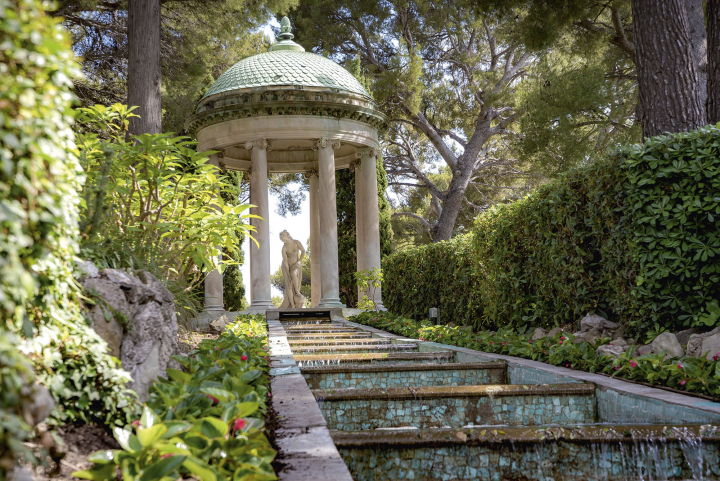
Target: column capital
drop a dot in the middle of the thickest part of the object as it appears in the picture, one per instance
(323, 142)
(257, 143)
(371, 151)
(311, 173)
(355, 165)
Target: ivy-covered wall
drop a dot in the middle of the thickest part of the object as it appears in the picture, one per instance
(633, 237)
(347, 247)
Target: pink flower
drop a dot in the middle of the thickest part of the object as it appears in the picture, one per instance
(562, 338)
(682, 383)
(504, 343)
(617, 368)
(544, 351)
(680, 366)
(567, 365)
(440, 335)
(633, 363)
(212, 398)
(216, 348)
(419, 330)
(716, 356)
(421, 339)
(167, 455)
(612, 344)
(530, 342)
(136, 423)
(560, 342)
(492, 342)
(239, 424)
(644, 352)
(269, 394)
(243, 357)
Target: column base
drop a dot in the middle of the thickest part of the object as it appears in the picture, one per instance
(325, 303)
(259, 307)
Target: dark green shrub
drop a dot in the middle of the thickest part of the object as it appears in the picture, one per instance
(435, 275)
(633, 237)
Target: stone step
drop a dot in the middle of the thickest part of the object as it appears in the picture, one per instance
(606, 452)
(402, 375)
(305, 321)
(319, 329)
(359, 349)
(457, 406)
(333, 335)
(340, 342)
(312, 360)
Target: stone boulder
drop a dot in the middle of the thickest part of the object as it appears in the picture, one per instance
(611, 350)
(694, 346)
(710, 346)
(135, 314)
(539, 333)
(667, 342)
(684, 336)
(554, 331)
(594, 327)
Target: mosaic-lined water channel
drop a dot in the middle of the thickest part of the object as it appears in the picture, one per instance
(400, 409)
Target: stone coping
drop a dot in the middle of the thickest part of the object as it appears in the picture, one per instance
(480, 435)
(286, 315)
(319, 327)
(321, 342)
(435, 392)
(363, 347)
(372, 356)
(460, 366)
(305, 448)
(708, 411)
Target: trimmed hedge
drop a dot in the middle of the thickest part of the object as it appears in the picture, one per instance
(632, 237)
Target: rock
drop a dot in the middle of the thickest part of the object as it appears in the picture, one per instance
(539, 333)
(20, 473)
(593, 321)
(86, 269)
(554, 331)
(620, 342)
(111, 313)
(219, 324)
(38, 405)
(711, 346)
(642, 349)
(612, 351)
(631, 341)
(588, 336)
(684, 336)
(667, 342)
(694, 345)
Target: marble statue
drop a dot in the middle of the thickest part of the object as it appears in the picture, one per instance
(292, 271)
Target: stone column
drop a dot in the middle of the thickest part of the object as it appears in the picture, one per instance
(370, 215)
(327, 209)
(359, 204)
(315, 253)
(259, 256)
(214, 280)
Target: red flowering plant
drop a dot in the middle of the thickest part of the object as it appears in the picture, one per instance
(700, 376)
(205, 421)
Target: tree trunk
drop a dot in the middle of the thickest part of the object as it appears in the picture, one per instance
(667, 72)
(698, 37)
(713, 72)
(443, 230)
(143, 81)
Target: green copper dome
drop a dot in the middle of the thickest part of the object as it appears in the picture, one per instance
(286, 63)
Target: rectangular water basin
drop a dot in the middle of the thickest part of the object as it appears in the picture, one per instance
(354, 349)
(340, 342)
(425, 407)
(311, 360)
(403, 375)
(333, 335)
(612, 453)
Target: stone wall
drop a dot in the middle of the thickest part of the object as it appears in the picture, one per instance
(135, 314)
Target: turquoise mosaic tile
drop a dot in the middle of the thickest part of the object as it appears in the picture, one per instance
(388, 379)
(359, 414)
(547, 462)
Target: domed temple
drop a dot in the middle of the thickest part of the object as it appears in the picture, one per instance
(288, 110)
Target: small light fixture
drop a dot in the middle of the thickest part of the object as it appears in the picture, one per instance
(433, 314)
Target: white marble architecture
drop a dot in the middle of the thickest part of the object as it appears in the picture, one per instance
(288, 110)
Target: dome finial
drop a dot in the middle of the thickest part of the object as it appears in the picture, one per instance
(285, 38)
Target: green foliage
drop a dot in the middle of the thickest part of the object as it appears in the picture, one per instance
(434, 275)
(673, 196)
(368, 281)
(698, 376)
(633, 238)
(152, 203)
(204, 422)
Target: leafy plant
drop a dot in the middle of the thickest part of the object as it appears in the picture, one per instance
(369, 281)
(206, 421)
(698, 376)
(153, 202)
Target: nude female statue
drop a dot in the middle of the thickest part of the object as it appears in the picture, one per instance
(292, 271)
